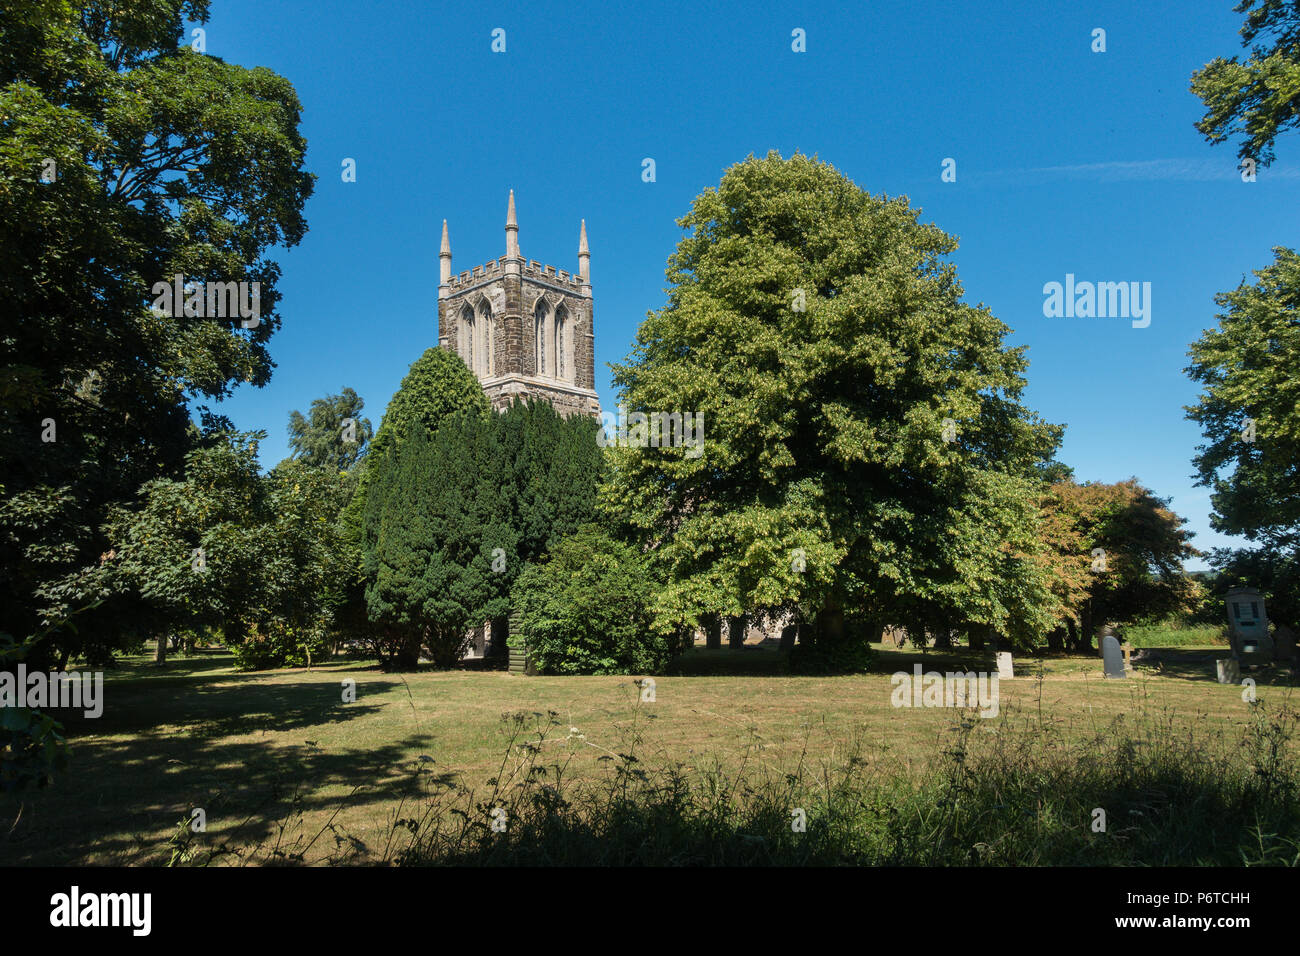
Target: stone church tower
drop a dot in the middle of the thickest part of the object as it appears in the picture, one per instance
(525, 329)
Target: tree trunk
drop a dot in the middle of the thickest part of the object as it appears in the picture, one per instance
(977, 635)
(1073, 630)
(943, 639)
(685, 639)
(407, 657)
(1056, 639)
(160, 652)
(713, 632)
(1085, 631)
(736, 632)
(788, 635)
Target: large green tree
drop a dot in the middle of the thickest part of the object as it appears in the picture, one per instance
(1249, 408)
(549, 470)
(127, 158)
(857, 411)
(1260, 98)
(437, 385)
(1249, 414)
(482, 490)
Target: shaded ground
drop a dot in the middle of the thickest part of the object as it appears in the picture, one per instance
(251, 749)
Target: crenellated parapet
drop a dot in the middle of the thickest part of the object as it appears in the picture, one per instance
(530, 268)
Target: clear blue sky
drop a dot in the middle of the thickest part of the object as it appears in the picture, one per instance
(1068, 161)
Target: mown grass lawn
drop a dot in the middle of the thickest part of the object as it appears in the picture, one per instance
(255, 749)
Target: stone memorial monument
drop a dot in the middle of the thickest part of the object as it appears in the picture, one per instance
(1248, 626)
(1112, 659)
(1005, 670)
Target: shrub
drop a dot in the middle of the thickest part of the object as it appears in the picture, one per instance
(587, 609)
(279, 644)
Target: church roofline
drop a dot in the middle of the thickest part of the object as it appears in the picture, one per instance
(469, 278)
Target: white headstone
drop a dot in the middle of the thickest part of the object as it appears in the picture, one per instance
(1112, 658)
(1229, 670)
(1005, 671)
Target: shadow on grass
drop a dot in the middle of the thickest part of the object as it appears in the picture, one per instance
(750, 661)
(1197, 664)
(163, 747)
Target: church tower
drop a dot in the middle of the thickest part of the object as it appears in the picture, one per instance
(525, 329)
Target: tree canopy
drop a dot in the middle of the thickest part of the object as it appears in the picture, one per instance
(1114, 554)
(860, 416)
(1249, 414)
(437, 385)
(1260, 98)
(333, 434)
(453, 516)
(1249, 408)
(228, 548)
(127, 159)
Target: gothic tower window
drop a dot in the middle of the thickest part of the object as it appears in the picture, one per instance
(561, 321)
(539, 334)
(485, 319)
(467, 336)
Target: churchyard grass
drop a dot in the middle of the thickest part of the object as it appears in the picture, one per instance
(283, 768)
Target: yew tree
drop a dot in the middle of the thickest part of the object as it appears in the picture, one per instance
(435, 526)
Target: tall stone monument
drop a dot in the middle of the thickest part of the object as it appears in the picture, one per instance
(1248, 626)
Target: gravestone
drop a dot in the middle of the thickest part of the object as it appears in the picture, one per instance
(1112, 659)
(1005, 670)
(1248, 626)
(1228, 670)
